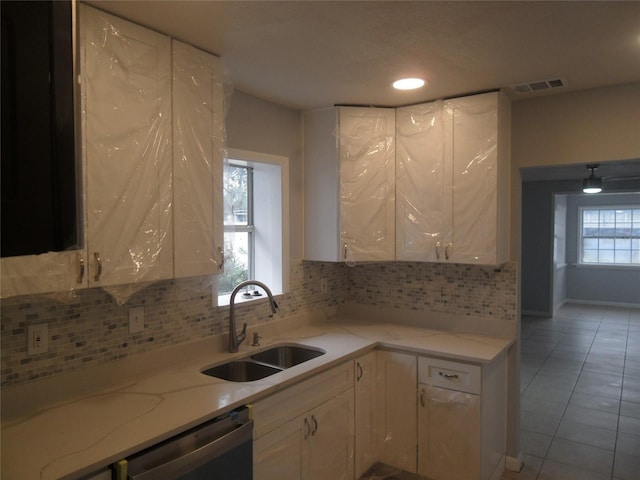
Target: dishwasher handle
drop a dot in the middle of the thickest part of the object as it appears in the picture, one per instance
(183, 464)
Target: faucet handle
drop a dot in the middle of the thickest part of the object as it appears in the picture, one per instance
(243, 334)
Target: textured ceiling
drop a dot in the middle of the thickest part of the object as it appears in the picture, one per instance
(308, 54)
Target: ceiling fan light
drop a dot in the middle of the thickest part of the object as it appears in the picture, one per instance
(408, 83)
(592, 184)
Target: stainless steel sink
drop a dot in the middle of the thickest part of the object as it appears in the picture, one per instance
(263, 364)
(286, 356)
(241, 371)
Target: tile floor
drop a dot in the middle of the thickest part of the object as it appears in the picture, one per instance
(580, 395)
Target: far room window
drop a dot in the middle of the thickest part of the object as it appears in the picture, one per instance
(610, 236)
(255, 189)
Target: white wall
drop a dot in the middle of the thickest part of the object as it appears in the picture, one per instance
(260, 126)
(589, 126)
(602, 284)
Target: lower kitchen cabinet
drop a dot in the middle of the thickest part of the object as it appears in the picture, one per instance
(449, 433)
(307, 431)
(461, 419)
(365, 415)
(317, 445)
(396, 387)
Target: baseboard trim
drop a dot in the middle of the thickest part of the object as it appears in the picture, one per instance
(604, 304)
(514, 464)
(536, 313)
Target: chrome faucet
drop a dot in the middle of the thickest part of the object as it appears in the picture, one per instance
(234, 339)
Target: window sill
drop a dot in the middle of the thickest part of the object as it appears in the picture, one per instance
(224, 300)
(609, 266)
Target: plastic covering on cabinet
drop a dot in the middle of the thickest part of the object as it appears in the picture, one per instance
(198, 143)
(447, 183)
(153, 146)
(367, 173)
(420, 181)
(126, 85)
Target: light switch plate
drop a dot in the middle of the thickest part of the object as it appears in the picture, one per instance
(136, 319)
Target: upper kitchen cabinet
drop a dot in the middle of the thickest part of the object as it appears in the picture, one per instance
(349, 174)
(198, 133)
(127, 138)
(453, 179)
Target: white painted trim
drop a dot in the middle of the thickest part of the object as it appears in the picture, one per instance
(535, 313)
(514, 464)
(604, 304)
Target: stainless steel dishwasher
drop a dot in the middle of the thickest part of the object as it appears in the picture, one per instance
(221, 449)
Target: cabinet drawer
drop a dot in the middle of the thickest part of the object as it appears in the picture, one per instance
(463, 377)
(279, 408)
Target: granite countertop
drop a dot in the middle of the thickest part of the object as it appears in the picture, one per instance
(81, 434)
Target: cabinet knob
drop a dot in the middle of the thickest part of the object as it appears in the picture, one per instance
(80, 270)
(221, 256)
(307, 428)
(96, 255)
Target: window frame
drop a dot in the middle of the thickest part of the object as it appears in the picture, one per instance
(278, 166)
(580, 250)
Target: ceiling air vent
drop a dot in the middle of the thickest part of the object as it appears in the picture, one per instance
(539, 85)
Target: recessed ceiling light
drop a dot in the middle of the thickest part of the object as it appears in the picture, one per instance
(408, 83)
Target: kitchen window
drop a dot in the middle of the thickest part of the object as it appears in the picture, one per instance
(255, 195)
(610, 236)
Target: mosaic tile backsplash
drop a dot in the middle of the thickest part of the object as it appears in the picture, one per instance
(92, 328)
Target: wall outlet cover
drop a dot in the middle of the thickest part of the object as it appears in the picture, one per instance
(37, 339)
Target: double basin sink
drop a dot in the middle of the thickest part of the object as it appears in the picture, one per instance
(263, 364)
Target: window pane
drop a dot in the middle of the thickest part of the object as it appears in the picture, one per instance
(623, 256)
(590, 243)
(606, 256)
(236, 261)
(590, 256)
(623, 216)
(635, 257)
(236, 198)
(623, 244)
(607, 243)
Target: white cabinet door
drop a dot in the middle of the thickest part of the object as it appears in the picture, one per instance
(449, 434)
(365, 415)
(453, 180)
(420, 193)
(367, 183)
(126, 89)
(329, 447)
(278, 454)
(349, 156)
(197, 154)
(396, 375)
(50, 272)
(479, 177)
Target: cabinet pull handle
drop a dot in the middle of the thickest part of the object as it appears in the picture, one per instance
(438, 250)
(221, 254)
(99, 266)
(422, 398)
(446, 250)
(360, 371)
(344, 254)
(315, 425)
(80, 269)
(448, 375)
(308, 428)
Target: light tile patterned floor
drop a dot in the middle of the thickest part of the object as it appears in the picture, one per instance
(580, 395)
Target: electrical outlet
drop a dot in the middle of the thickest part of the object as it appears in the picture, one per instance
(136, 319)
(37, 339)
(324, 285)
